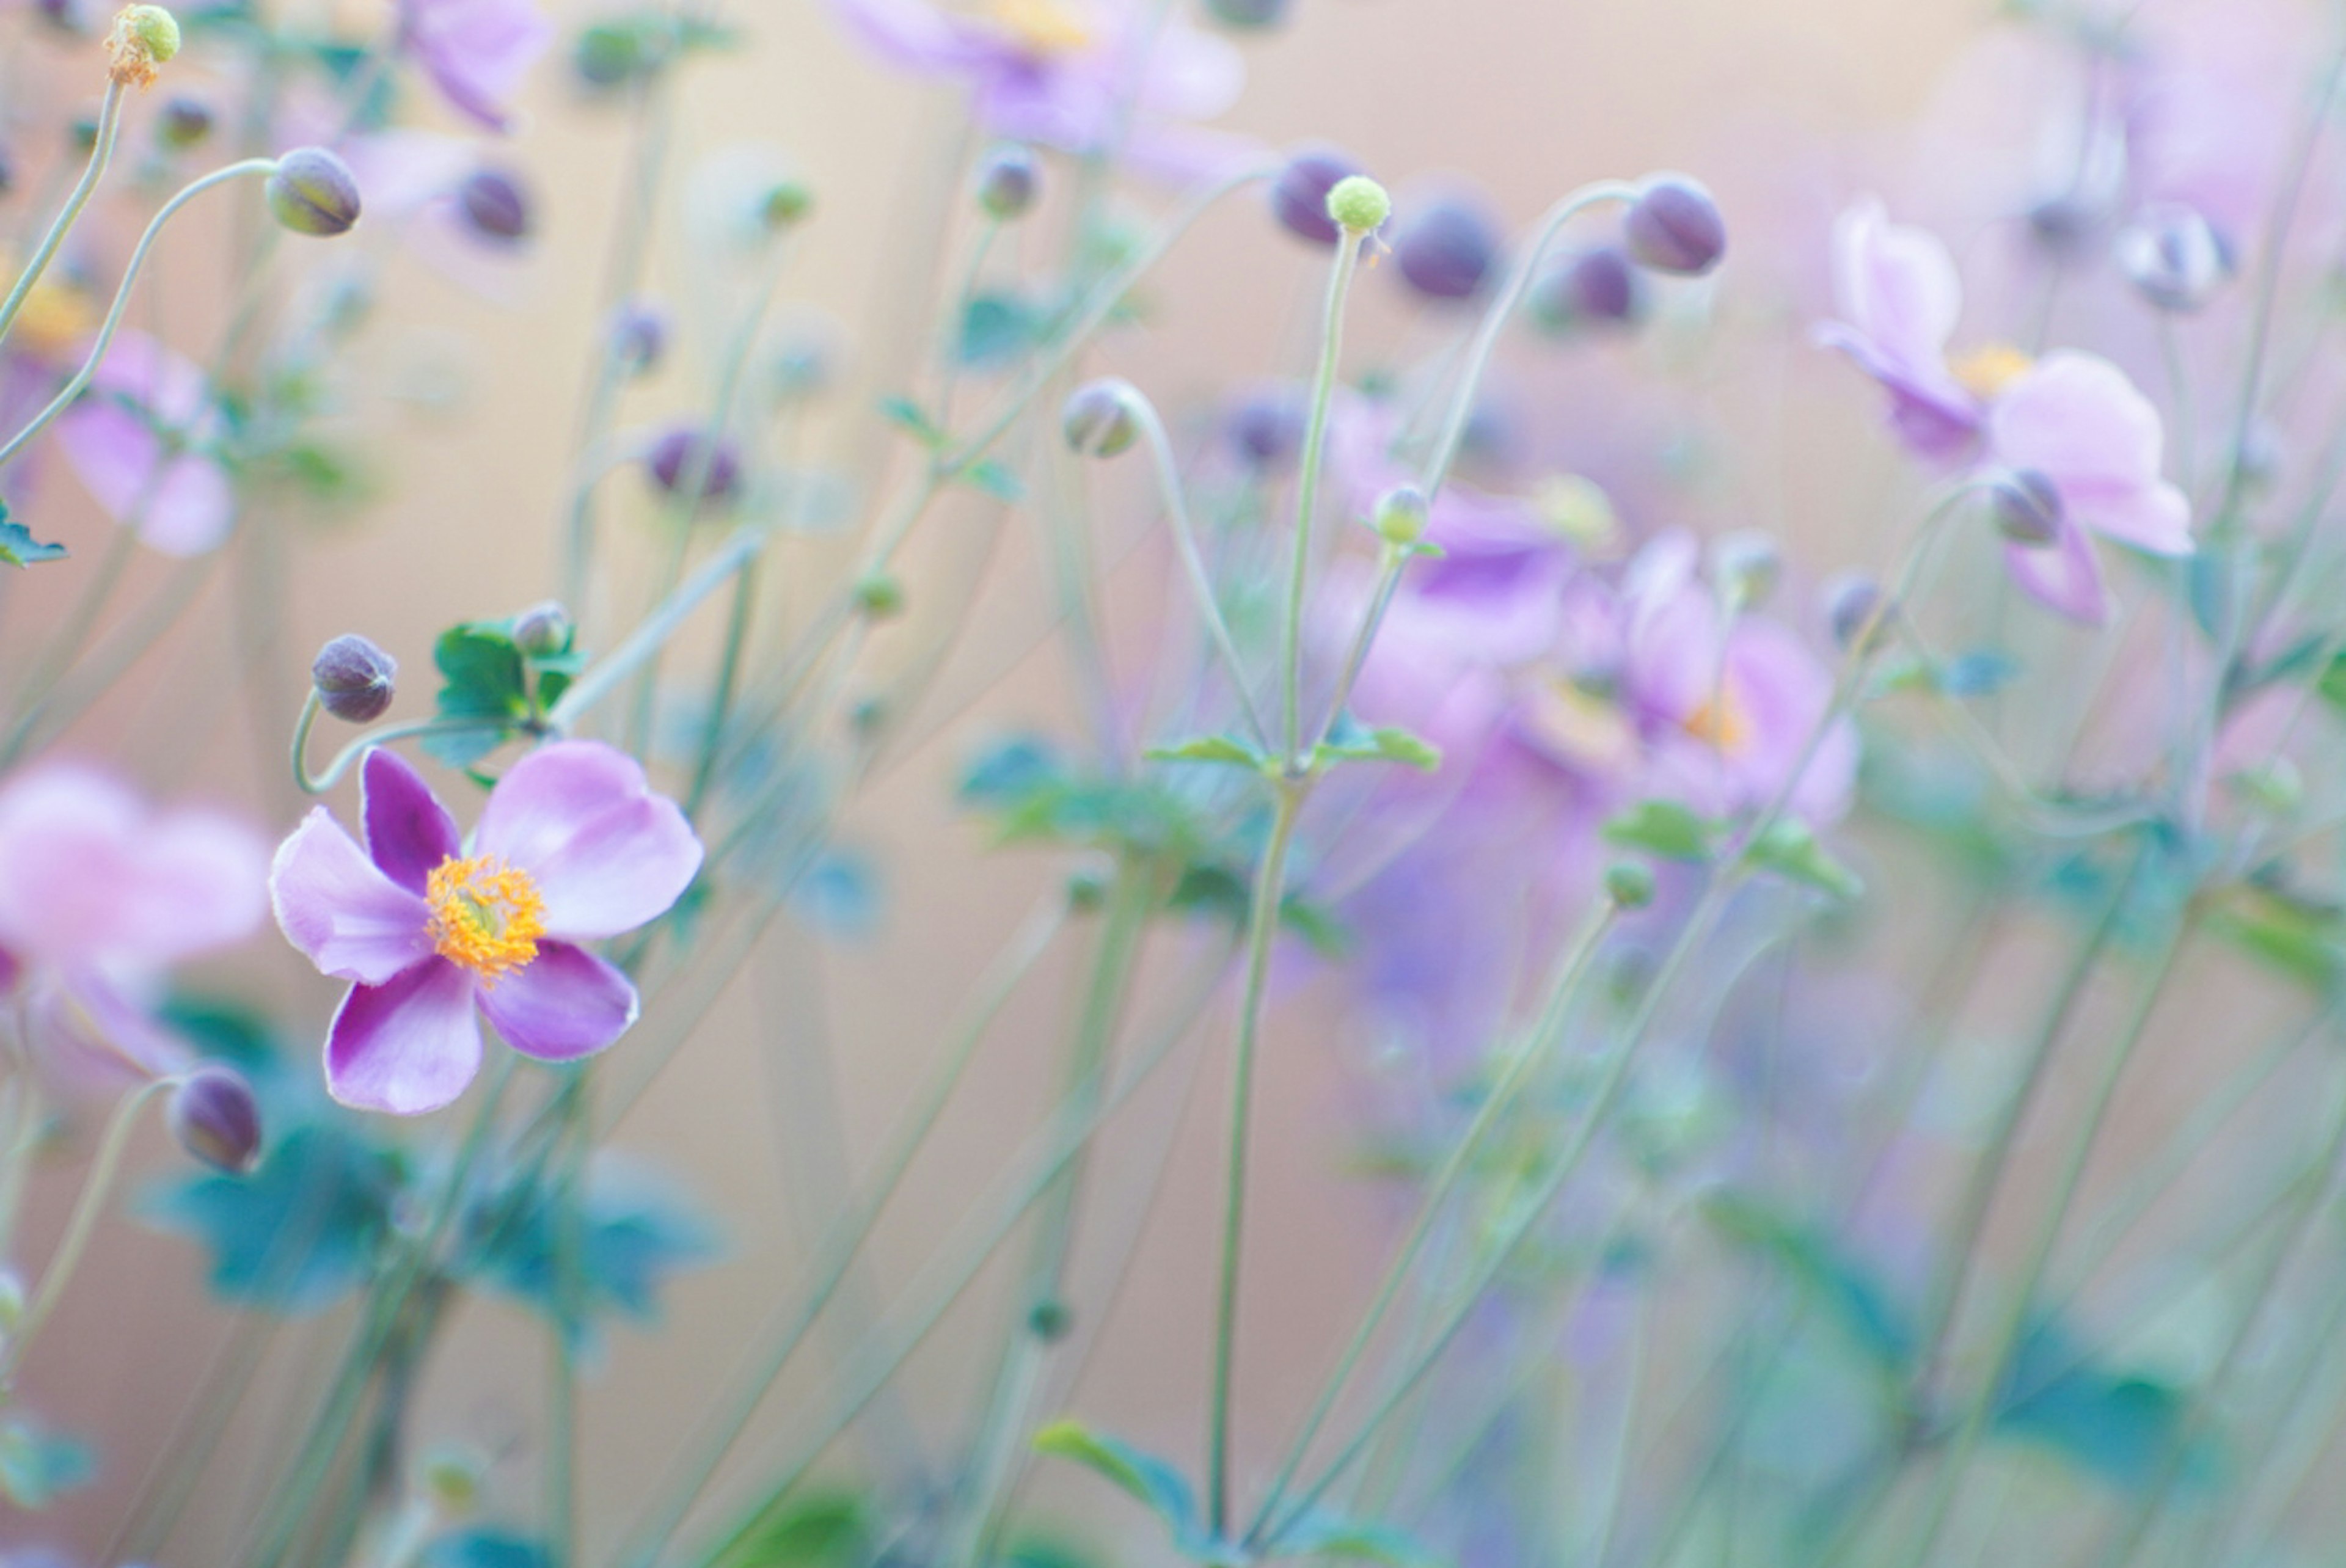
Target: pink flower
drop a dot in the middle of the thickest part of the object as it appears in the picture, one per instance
(136, 440)
(477, 52)
(573, 846)
(99, 895)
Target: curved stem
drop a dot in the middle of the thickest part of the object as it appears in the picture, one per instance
(745, 545)
(310, 783)
(101, 154)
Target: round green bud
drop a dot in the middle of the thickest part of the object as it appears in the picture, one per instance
(787, 203)
(880, 595)
(1098, 419)
(1359, 205)
(1051, 1321)
(142, 39)
(1400, 516)
(1629, 884)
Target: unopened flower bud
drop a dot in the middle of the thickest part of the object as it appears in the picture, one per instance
(144, 37)
(452, 1479)
(878, 596)
(1051, 1321)
(354, 678)
(1359, 205)
(1008, 179)
(1299, 198)
(2063, 224)
(1400, 516)
(1673, 226)
(1747, 565)
(542, 630)
(2027, 508)
(1266, 430)
(184, 122)
(2174, 256)
(312, 192)
(1853, 609)
(678, 463)
(1087, 888)
(1629, 884)
(1248, 16)
(639, 336)
(215, 1117)
(1447, 248)
(495, 206)
(1579, 510)
(612, 54)
(787, 203)
(1098, 420)
(1598, 288)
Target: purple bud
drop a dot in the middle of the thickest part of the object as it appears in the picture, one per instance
(1400, 516)
(1446, 248)
(542, 630)
(1853, 609)
(184, 122)
(1098, 420)
(678, 463)
(639, 336)
(1267, 430)
(1248, 16)
(354, 680)
(1008, 179)
(1598, 288)
(2063, 224)
(1299, 198)
(215, 1117)
(495, 206)
(2174, 256)
(312, 192)
(2027, 508)
(1673, 226)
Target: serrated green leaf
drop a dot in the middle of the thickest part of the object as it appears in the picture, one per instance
(1791, 851)
(1209, 748)
(1387, 743)
(906, 415)
(1663, 829)
(19, 548)
(483, 673)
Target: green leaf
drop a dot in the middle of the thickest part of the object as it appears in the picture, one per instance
(995, 480)
(1150, 1481)
(1387, 743)
(2303, 937)
(38, 1466)
(1325, 1535)
(19, 548)
(1661, 827)
(832, 1532)
(906, 415)
(1210, 748)
(1791, 851)
(1855, 1300)
(2121, 1427)
(483, 677)
(995, 328)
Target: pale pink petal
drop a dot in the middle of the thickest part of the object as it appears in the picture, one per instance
(606, 853)
(2064, 576)
(2078, 421)
(408, 1045)
(341, 911)
(562, 1005)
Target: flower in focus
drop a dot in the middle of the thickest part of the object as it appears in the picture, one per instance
(136, 440)
(573, 846)
(1057, 72)
(2071, 419)
(100, 894)
(477, 52)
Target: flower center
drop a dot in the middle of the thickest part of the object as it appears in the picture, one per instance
(486, 915)
(1988, 370)
(55, 317)
(1720, 722)
(1044, 26)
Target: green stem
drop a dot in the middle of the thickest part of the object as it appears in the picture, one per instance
(720, 702)
(568, 1322)
(1307, 485)
(656, 628)
(101, 154)
(319, 782)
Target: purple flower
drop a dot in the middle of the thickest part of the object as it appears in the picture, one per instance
(136, 440)
(477, 52)
(2071, 419)
(1058, 73)
(573, 846)
(99, 894)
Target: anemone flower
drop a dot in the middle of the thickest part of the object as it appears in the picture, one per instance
(573, 846)
(136, 441)
(477, 52)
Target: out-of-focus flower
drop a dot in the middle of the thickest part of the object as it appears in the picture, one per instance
(1446, 248)
(137, 441)
(2173, 257)
(572, 847)
(2073, 420)
(101, 893)
(475, 52)
(1298, 197)
(1059, 73)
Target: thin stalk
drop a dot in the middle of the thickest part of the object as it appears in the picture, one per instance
(729, 679)
(318, 783)
(569, 1291)
(1307, 485)
(656, 628)
(101, 154)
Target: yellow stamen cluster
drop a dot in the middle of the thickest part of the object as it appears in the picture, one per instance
(486, 915)
(1988, 370)
(55, 317)
(1044, 26)
(1720, 722)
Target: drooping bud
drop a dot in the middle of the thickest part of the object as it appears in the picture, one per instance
(1673, 226)
(639, 336)
(1266, 430)
(2174, 256)
(1400, 516)
(880, 595)
(495, 206)
(677, 462)
(542, 630)
(1359, 205)
(216, 1118)
(1299, 198)
(786, 204)
(1248, 16)
(1747, 565)
(1009, 180)
(1447, 248)
(312, 192)
(143, 36)
(1098, 420)
(354, 680)
(2062, 224)
(1597, 288)
(184, 122)
(1854, 610)
(2027, 508)
(1629, 884)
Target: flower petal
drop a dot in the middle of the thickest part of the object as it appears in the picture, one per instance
(562, 1005)
(2063, 576)
(408, 831)
(408, 1045)
(606, 853)
(347, 918)
(2078, 421)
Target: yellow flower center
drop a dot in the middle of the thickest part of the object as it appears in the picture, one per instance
(1720, 722)
(1988, 370)
(485, 916)
(54, 318)
(1044, 26)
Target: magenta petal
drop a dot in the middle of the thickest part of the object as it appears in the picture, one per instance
(408, 1045)
(606, 853)
(348, 918)
(2063, 576)
(408, 831)
(562, 1005)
